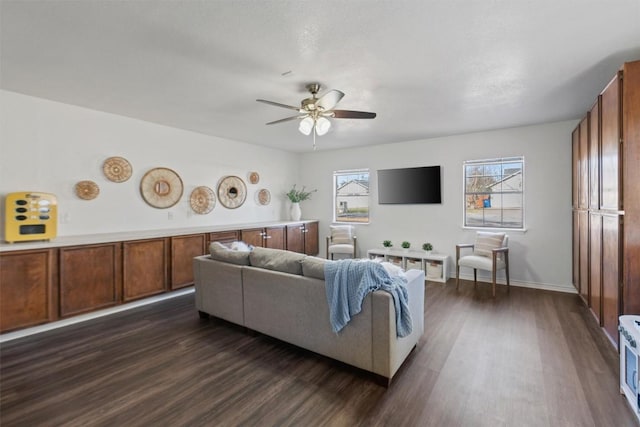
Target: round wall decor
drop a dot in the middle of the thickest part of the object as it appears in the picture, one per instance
(117, 169)
(264, 196)
(232, 192)
(161, 188)
(87, 190)
(254, 178)
(202, 200)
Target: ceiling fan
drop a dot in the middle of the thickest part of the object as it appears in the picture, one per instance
(315, 112)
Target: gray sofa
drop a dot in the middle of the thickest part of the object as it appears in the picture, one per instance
(282, 294)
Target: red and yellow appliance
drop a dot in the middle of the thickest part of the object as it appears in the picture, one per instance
(30, 216)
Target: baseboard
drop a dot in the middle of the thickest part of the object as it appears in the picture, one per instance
(532, 285)
(93, 315)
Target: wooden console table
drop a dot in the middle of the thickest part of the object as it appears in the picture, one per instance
(435, 266)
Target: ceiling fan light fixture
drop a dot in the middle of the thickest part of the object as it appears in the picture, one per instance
(306, 125)
(322, 126)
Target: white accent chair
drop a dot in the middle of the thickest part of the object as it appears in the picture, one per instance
(490, 252)
(341, 241)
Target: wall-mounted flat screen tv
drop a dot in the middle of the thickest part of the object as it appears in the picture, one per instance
(409, 185)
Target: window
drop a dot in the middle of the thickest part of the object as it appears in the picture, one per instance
(351, 196)
(494, 193)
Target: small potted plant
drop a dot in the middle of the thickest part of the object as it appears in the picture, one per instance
(406, 245)
(427, 247)
(387, 244)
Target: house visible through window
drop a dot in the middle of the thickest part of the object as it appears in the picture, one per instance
(351, 196)
(494, 193)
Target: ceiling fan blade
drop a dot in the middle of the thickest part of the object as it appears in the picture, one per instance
(288, 118)
(277, 104)
(329, 99)
(348, 114)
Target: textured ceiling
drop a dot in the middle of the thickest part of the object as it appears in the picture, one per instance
(427, 68)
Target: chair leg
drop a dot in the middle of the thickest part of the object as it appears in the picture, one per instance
(506, 262)
(475, 278)
(493, 282)
(457, 276)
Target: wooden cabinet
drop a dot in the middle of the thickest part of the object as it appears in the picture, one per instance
(270, 237)
(303, 238)
(28, 288)
(90, 278)
(144, 268)
(610, 265)
(41, 285)
(183, 250)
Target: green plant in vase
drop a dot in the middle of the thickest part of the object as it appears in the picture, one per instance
(405, 245)
(387, 244)
(427, 247)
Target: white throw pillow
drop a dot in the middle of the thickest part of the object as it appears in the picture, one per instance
(486, 242)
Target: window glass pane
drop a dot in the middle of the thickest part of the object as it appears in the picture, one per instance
(494, 196)
(351, 196)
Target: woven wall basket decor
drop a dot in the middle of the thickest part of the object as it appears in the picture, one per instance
(161, 188)
(232, 192)
(202, 200)
(264, 197)
(117, 169)
(254, 177)
(87, 190)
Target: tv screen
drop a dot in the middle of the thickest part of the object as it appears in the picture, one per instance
(409, 185)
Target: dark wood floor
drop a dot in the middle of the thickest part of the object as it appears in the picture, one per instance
(528, 358)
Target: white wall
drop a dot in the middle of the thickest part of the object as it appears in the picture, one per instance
(49, 146)
(539, 257)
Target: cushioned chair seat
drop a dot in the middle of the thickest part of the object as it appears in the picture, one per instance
(341, 249)
(481, 262)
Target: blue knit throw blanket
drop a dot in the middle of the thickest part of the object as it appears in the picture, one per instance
(349, 281)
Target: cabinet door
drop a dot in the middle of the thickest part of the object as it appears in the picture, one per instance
(253, 236)
(183, 250)
(583, 186)
(584, 256)
(295, 238)
(575, 165)
(28, 288)
(90, 278)
(595, 265)
(274, 238)
(594, 156)
(311, 246)
(610, 134)
(576, 250)
(610, 275)
(145, 268)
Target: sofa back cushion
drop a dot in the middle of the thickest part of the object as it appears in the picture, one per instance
(277, 259)
(314, 267)
(220, 252)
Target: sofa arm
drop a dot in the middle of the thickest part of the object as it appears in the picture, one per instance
(389, 351)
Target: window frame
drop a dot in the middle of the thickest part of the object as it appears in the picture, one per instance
(500, 161)
(335, 175)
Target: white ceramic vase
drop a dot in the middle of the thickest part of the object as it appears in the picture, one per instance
(296, 212)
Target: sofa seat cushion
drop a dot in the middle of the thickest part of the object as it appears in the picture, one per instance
(220, 252)
(277, 260)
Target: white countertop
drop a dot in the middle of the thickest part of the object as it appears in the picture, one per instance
(90, 239)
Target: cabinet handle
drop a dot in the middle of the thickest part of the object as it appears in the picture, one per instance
(267, 237)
